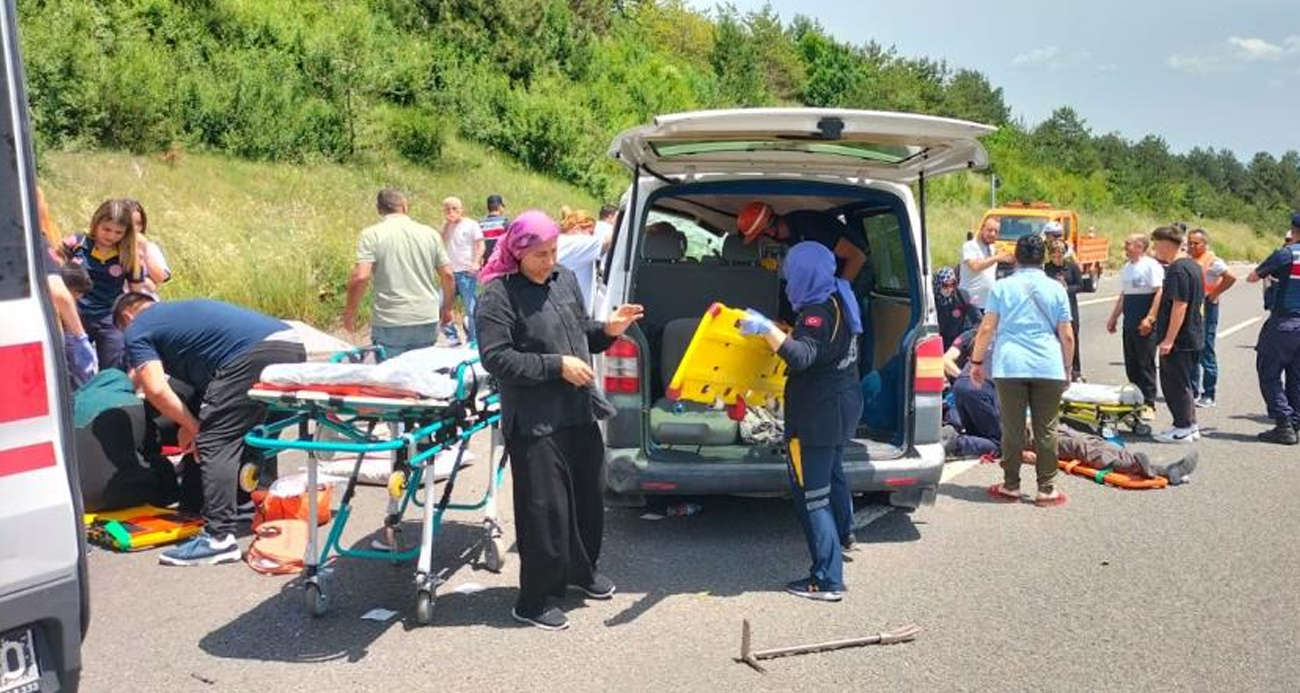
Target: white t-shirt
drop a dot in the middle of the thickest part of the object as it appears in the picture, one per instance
(977, 285)
(580, 253)
(604, 231)
(1142, 277)
(460, 241)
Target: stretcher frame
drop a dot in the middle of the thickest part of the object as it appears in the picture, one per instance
(422, 429)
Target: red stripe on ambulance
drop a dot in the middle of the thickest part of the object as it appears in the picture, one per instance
(23, 392)
(26, 459)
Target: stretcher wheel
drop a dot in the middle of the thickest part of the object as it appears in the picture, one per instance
(494, 554)
(1141, 429)
(424, 600)
(317, 601)
(396, 485)
(249, 474)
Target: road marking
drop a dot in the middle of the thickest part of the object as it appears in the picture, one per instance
(952, 470)
(1238, 327)
(1095, 301)
(870, 513)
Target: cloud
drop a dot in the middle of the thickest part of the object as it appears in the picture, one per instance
(1236, 52)
(1051, 58)
(1108, 67)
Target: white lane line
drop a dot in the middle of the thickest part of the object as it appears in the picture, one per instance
(952, 470)
(1238, 327)
(1095, 301)
(870, 513)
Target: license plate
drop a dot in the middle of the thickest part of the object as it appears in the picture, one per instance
(19, 672)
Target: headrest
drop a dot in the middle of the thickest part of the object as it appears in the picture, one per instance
(664, 246)
(735, 249)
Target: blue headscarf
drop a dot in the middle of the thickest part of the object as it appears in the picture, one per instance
(809, 271)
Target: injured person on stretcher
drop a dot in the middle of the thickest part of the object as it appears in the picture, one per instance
(1098, 453)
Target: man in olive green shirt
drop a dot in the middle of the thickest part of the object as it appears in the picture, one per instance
(414, 286)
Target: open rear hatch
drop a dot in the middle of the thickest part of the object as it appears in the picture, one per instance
(897, 147)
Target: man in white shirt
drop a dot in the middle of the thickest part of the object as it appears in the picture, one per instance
(1141, 282)
(605, 225)
(979, 263)
(581, 252)
(465, 245)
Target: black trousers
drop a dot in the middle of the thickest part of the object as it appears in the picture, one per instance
(1140, 362)
(1177, 371)
(225, 415)
(559, 483)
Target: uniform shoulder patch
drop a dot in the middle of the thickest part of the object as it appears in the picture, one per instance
(813, 321)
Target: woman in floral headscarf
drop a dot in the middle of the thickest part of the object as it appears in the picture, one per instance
(536, 337)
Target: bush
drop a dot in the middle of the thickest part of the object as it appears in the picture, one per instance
(418, 135)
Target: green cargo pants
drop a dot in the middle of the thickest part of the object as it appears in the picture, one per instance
(1043, 399)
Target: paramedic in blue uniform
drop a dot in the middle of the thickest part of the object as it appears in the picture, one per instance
(1277, 354)
(219, 350)
(823, 404)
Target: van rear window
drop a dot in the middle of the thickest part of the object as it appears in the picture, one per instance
(15, 279)
(888, 253)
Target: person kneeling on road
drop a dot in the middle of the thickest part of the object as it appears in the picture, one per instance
(220, 350)
(1099, 453)
(823, 404)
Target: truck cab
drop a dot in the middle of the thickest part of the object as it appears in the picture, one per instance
(1020, 219)
(43, 603)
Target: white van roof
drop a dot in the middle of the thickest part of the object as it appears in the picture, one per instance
(878, 145)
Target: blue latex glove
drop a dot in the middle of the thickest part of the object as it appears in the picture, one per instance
(81, 355)
(754, 323)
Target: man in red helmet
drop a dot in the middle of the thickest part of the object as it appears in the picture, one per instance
(758, 220)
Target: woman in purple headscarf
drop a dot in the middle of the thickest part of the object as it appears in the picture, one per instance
(823, 404)
(535, 336)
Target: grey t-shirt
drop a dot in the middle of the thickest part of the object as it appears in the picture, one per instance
(407, 256)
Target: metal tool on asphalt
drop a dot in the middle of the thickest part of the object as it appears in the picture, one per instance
(750, 656)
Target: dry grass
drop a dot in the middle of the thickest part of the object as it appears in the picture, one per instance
(279, 238)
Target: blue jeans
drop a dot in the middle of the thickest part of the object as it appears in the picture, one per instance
(403, 338)
(824, 506)
(467, 290)
(1207, 381)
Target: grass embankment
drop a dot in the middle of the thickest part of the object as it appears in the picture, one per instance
(280, 238)
(948, 224)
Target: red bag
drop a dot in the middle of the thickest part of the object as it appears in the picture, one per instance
(271, 508)
(279, 547)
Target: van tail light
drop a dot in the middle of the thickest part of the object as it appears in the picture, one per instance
(929, 366)
(623, 367)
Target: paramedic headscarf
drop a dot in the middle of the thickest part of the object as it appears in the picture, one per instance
(809, 271)
(527, 231)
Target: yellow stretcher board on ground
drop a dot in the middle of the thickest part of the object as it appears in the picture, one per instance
(724, 368)
(141, 527)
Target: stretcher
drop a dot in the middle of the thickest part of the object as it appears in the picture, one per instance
(1109, 477)
(141, 527)
(340, 418)
(726, 369)
(1101, 409)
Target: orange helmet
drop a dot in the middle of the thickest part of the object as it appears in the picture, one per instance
(755, 219)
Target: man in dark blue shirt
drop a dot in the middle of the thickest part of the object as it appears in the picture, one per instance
(1277, 354)
(219, 350)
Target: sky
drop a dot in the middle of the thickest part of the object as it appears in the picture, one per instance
(1222, 74)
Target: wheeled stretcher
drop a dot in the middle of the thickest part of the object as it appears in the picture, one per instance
(341, 415)
(1102, 408)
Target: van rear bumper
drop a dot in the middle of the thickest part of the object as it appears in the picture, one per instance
(53, 612)
(911, 480)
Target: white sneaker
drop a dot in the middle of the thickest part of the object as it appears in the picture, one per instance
(1178, 435)
(1205, 403)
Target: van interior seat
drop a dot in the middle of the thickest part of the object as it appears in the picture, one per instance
(735, 251)
(686, 423)
(664, 247)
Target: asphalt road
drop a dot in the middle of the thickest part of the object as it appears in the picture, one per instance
(1192, 588)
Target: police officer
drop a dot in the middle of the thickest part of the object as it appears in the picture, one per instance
(823, 404)
(1277, 354)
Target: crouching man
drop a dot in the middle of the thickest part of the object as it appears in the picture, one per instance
(1099, 453)
(220, 350)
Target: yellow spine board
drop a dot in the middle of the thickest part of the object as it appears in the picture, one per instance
(146, 525)
(722, 366)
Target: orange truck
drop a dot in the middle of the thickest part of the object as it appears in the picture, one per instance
(1019, 219)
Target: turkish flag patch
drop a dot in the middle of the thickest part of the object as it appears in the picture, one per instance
(813, 321)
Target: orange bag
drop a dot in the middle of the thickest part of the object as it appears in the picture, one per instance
(271, 508)
(279, 547)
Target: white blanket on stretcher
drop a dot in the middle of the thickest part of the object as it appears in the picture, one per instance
(1097, 393)
(429, 372)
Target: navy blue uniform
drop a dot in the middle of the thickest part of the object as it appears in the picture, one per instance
(109, 278)
(1277, 354)
(823, 404)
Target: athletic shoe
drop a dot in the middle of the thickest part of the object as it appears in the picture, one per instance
(1180, 472)
(203, 550)
(549, 619)
(1206, 403)
(1282, 434)
(601, 588)
(809, 589)
(1190, 434)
